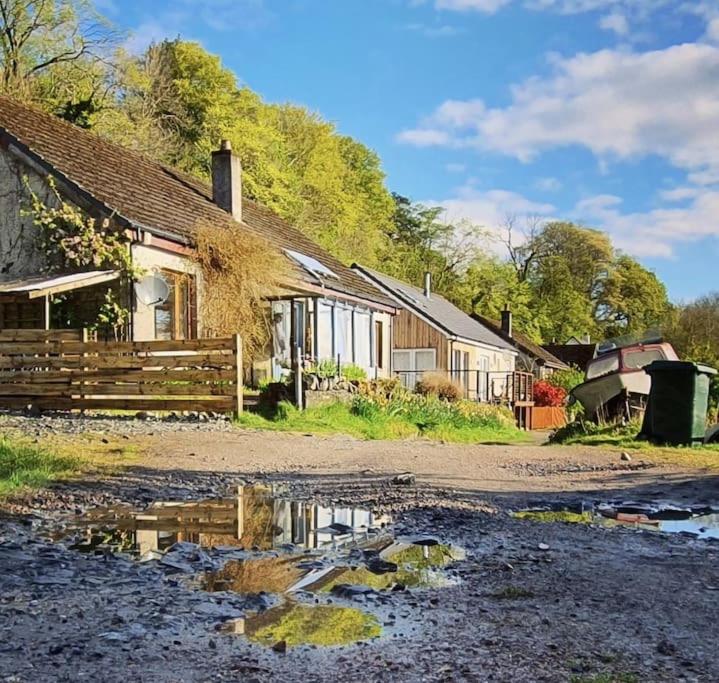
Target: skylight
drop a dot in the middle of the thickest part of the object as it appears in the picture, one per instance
(311, 265)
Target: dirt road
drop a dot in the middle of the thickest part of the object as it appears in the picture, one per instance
(532, 601)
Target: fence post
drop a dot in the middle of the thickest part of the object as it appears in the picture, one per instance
(238, 375)
(298, 378)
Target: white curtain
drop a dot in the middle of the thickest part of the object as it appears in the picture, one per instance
(363, 340)
(324, 330)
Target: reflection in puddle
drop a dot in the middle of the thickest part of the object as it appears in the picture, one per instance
(663, 518)
(254, 519)
(386, 564)
(298, 624)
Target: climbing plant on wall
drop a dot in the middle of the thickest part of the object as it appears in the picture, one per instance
(71, 241)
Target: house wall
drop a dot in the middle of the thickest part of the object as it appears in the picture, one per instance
(18, 235)
(411, 332)
(150, 258)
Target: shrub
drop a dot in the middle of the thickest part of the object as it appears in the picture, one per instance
(566, 379)
(439, 385)
(353, 373)
(324, 369)
(549, 395)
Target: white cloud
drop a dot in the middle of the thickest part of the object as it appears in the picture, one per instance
(548, 184)
(620, 105)
(615, 22)
(657, 231)
(456, 168)
(489, 208)
(486, 6)
(680, 194)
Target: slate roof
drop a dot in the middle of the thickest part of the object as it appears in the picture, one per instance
(578, 355)
(436, 309)
(155, 197)
(524, 344)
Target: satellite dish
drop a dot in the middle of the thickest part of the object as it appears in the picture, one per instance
(152, 290)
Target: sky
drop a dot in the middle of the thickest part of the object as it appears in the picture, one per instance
(603, 112)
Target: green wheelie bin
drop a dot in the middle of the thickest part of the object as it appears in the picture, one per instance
(678, 402)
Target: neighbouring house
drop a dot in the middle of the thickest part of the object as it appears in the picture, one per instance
(326, 310)
(575, 352)
(430, 333)
(532, 357)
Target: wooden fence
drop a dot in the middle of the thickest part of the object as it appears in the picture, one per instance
(61, 370)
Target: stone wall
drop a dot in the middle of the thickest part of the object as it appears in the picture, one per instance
(18, 235)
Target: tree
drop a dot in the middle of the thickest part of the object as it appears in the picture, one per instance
(37, 36)
(632, 299)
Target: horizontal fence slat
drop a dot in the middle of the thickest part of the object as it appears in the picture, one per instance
(69, 390)
(219, 404)
(113, 375)
(8, 335)
(119, 362)
(57, 347)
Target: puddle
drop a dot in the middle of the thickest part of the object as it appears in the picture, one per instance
(700, 522)
(290, 551)
(257, 518)
(298, 624)
(383, 565)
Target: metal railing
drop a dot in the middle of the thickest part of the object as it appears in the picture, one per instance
(510, 388)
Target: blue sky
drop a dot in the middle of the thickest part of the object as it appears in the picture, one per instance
(601, 111)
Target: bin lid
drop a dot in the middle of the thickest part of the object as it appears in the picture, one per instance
(679, 366)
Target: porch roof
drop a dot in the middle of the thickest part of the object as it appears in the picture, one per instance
(36, 286)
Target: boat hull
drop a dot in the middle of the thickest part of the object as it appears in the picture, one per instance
(599, 391)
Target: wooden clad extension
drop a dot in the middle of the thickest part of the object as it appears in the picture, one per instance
(411, 332)
(53, 370)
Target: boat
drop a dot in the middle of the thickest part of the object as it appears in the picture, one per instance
(616, 385)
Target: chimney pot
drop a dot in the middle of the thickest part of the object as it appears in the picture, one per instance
(427, 285)
(227, 180)
(507, 321)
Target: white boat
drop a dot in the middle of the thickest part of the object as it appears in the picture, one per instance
(616, 384)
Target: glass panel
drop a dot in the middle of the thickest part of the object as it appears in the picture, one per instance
(362, 340)
(425, 359)
(640, 359)
(281, 331)
(324, 330)
(165, 312)
(603, 366)
(343, 334)
(378, 344)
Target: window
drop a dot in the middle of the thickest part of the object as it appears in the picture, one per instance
(378, 344)
(634, 360)
(324, 330)
(411, 364)
(362, 341)
(603, 365)
(175, 317)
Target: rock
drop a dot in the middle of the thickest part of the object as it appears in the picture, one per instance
(543, 546)
(350, 591)
(379, 566)
(626, 457)
(32, 410)
(406, 479)
(664, 647)
(280, 646)
(142, 415)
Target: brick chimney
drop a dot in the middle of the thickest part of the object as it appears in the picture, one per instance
(428, 285)
(227, 180)
(507, 321)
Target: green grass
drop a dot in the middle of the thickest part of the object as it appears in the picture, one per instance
(23, 464)
(624, 437)
(339, 418)
(551, 516)
(322, 625)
